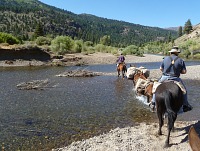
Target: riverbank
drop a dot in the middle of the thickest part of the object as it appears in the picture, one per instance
(81, 59)
(101, 58)
(142, 137)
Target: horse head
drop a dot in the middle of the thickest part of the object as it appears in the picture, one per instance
(138, 74)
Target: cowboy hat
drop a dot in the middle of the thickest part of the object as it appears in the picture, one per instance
(175, 49)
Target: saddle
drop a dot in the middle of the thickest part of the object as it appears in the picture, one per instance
(156, 84)
(141, 84)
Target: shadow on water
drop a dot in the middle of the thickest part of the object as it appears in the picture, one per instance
(76, 109)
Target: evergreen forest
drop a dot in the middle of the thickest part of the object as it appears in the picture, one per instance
(22, 18)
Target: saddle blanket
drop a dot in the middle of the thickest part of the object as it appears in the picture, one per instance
(156, 84)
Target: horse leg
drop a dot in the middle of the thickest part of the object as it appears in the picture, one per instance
(122, 74)
(171, 119)
(148, 99)
(118, 72)
(161, 122)
(160, 113)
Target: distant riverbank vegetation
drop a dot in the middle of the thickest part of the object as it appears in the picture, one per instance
(61, 45)
(35, 24)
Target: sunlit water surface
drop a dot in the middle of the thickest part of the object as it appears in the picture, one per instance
(75, 109)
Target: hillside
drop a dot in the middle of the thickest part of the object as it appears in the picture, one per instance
(21, 17)
(194, 35)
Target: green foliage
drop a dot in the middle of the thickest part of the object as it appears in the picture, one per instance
(114, 51)
(21, 18)
(188, 27)
(62, 44)
(43, 41)
(132, 50)
(157, 47)
(169, 37)
(100, 48)
(197, 56)
(38, 31)
(180, 31)
(8, 38)
(186, 53)
(88, 43)
(105, 40)
(110, 49)
(190, 45)
(78, 46)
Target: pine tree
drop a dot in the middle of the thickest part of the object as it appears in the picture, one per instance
(169, 37)
(38, 31)
(188, 27)
(180, 31)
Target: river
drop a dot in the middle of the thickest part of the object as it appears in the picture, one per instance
(75, 109)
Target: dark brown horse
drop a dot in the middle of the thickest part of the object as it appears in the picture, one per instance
(169, 99)
(121, 69)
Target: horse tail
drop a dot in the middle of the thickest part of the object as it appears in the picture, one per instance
(168, 103)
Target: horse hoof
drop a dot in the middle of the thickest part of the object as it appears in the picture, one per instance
(166, 145)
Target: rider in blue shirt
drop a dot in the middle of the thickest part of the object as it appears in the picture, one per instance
(171, 67)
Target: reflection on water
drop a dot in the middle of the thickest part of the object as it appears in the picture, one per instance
(77, 108)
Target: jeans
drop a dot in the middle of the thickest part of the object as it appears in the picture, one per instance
(163, 78)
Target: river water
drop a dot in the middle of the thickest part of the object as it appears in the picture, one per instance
(75, 109)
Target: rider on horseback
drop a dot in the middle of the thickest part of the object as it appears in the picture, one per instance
(171, 67)
(121, 59)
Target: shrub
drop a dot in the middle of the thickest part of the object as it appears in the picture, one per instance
(132, 50)
(78, 46)
(114, 51)
(61, 45)
(8, 38)
(43, 41)
(186, 53)
(197, 56)
(100, 48)
(88, 43)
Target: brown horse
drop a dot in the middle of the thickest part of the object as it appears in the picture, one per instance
(138, 75)
(194, 139)
(144, 87)
(121, 68)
